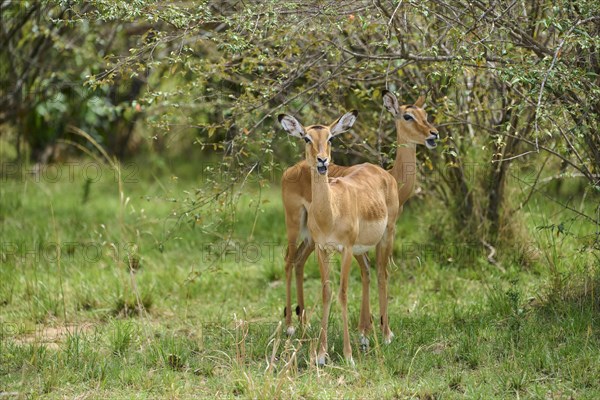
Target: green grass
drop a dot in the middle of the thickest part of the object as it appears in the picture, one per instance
(117, 297)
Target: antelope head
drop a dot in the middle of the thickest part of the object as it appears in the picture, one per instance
(318, 138)
(411, 121)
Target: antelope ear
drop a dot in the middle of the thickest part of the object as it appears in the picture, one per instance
(391, 102)
(291, 125)
(420, 102)
(343, 123)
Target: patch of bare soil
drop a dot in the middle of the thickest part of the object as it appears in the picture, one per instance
(53, 336)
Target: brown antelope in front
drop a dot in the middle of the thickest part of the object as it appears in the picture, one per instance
(350, 214)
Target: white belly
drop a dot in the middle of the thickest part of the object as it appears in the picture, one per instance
(360, 249)
(370, 234)
(356, 249)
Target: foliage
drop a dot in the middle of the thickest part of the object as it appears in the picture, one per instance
(508, 84)
(48, 53)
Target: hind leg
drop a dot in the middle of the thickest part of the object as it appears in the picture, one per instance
(343, 296)
(304, 251)
(364, 322)
(384, 252)
(292, 222)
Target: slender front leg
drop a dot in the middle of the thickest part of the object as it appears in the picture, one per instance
(302, 254)
(326, 294)
(384, 252)
(289, 265)
(364, 323)
(344, 277)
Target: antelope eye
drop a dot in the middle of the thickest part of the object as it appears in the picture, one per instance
(306, 139)
(408, 117)
(330, 140)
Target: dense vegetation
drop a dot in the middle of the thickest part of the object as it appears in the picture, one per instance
(140, 210)
(514, 86)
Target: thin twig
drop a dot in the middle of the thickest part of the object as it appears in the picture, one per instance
(491, 254)
(513, 157)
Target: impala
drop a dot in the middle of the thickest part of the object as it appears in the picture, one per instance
(350, 214)
(412, 128)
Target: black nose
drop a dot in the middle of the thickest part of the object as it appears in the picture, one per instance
(321, 160)
(434, 134)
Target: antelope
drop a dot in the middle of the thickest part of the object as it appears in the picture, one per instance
(350, 214)
(412, 128)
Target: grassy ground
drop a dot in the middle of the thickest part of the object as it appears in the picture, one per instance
(117, 292)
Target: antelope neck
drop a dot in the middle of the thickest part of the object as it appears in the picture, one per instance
(321, 207)
(405, 167)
